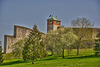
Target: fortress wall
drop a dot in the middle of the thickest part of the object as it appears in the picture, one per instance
(95, 32)
(7, 43)
(90, 33)
(19, 32)
(22, 32)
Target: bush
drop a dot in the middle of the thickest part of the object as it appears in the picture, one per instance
(97, 49)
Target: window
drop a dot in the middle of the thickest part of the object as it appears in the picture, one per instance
(56, 22)
(50, 22)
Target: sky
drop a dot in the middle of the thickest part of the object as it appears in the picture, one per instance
(29, 12)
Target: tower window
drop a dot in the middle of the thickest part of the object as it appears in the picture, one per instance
(50, 21)
(56, 22)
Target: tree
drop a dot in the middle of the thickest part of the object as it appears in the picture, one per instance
(25, 51)
(82, 28)
(97, 44)
(18, 47)
(97, 49)
(42, 51)
(50, 41)
(1, 56)
(81, 23)
(34, 47)
(65, 37)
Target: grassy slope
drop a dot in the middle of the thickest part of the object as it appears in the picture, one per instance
(85, 59)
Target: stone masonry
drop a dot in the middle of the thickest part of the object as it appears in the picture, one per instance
(19, 32)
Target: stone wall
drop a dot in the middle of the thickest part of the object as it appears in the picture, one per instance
(19, 32)
(95, 32)
(90, 33)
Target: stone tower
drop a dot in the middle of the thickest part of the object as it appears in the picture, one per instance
(53, 23)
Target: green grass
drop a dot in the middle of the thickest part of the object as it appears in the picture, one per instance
(85, 59)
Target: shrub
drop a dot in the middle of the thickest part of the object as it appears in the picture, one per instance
(97, 49)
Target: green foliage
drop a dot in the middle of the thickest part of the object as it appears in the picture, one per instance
(18, 47)
(97, 49)
(97, 44)
(65, 37)
(1, 55)
(50, 41)
(25, 51)
(42, 50)
(34, 47)
(59, 39)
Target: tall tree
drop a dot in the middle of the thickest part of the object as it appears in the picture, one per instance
(82, 28)
(34, 48)
(1, 56)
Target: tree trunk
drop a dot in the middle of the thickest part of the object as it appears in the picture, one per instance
(25, 60)
(77, 50)
(52, 52)
(33, 62)
(63, 53)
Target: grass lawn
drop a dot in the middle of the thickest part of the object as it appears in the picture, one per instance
(85, 59)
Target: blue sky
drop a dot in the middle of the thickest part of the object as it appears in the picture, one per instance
(28, 12)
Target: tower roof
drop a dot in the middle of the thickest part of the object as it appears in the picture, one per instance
(53, 18)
